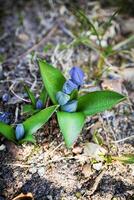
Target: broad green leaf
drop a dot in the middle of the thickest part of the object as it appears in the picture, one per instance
(36, 121)
(43, 95)
(98, 101)
(52, 78)
(7, 131)
(30, 95)
(28, 108)
(71, 125)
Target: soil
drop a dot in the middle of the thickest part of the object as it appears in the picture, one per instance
(31, 29)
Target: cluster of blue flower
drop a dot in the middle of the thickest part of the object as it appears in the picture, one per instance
(5, 117)
(19, 130)
(74, 83)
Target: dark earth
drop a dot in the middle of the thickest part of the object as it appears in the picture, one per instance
(49, 29)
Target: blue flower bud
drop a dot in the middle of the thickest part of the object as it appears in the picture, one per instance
(5, 97)
(69, 86)
(71, 106)
(62, 98)
(5, 117)
(19, 131)
(39, 104)
(77, 75)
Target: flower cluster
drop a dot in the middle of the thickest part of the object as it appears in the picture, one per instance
(74, 83)
(5, 117)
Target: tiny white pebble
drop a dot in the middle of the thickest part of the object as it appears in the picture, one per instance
(97, 166)
(33, 170)
(2, 147)
(41, 171)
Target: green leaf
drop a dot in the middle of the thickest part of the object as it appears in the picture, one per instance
(98, 101)
(107, 24)
(97, 138)
(74, 95)
(36, 121)
(71, 125)
(85, 21)
(52, 78)
(30, 95)
(43, 95)
(7, 131)
(28, 108)
(126, 158)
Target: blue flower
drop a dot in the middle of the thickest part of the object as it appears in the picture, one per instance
(39, 104)
(77, 75)
(62, 98)
(19, 131)
(69, 86)
(5, 97)
(5, 117)
(71, 106)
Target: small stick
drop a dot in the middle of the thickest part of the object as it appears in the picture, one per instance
(42, 41)
(97, 181)
(124, 139)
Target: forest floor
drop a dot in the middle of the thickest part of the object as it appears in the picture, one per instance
(31, 29)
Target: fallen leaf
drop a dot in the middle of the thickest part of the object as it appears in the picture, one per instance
(87, 171)
(22, 196)
(112, 84)
(128, 74)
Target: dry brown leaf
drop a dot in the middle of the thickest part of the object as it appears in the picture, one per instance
(112, 84)
(128, 74)
(87, 171)
(77, 150)
(22, 196)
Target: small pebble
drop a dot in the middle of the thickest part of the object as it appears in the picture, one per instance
(33, 170)
(97, 166)
(41, 171)
(77, 150)
(2, 147)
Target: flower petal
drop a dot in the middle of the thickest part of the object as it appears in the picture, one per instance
(77, 75)
(62, 98)
(71, 106)
(69, 86)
